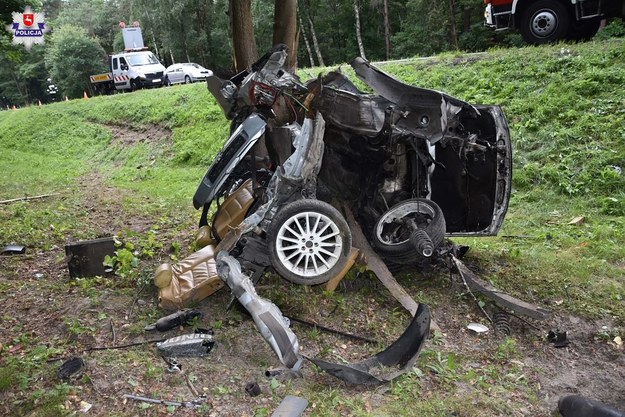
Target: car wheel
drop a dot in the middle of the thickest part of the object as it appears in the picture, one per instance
(584, 30)
(545, 21)
(409, 231)
(133, 85)
(187, 79)
(167, 82)
(309, 242)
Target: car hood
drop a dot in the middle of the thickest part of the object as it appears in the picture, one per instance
(149, 69)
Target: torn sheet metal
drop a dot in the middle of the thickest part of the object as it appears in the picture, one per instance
(273, 326)
(504, 300)
(427, 113)
(395, 360)
(291, 406)
(13, 250)
(187, 345)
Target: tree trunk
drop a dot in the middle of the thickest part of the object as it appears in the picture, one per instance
(315, 43)
(361, 48)
(243, 42)
(452, 24)
(466, 19)
(387, 31)
(310, 55)
(285, 28)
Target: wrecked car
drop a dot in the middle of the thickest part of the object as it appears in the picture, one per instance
(413, 165)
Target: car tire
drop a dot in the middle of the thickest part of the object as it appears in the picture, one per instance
(187, 79)
(545, 21)
(133, 85)
(399, 230)
(167, 82)
(309, 242)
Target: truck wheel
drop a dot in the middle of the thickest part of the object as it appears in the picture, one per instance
(545, 21)
(584, 30)
(309, 242)
(133, 85)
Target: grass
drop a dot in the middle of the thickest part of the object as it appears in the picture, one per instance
(565, 106)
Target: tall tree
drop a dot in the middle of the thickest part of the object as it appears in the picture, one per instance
(361, 47)
(387, 32)
(306, 42)
(71, 57)
(313, 33)
(285, 27)
(453, 32)
(243, 42)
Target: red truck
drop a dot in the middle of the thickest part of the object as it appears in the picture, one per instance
(544, 21)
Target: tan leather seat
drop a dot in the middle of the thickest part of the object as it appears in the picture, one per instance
(230, 215)
(195, 277)
(192, 279)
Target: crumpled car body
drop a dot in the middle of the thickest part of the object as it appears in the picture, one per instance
(406, 159)
(414, 165)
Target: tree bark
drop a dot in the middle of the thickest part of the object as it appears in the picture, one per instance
(361, 48)
(315, 42)
(466, 19)
(310, 54)
(453, 32)
(285, 28)
(243, 42)
(387, 31)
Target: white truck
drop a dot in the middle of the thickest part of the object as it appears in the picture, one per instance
(132, 69)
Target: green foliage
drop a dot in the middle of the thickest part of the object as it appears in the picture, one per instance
(614, 29)
(72, 57)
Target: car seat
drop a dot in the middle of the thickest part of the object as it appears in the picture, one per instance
(195, 277)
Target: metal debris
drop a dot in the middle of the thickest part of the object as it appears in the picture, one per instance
(395, 360)
(477, 328)
(71, 369)
(176, 319)
(558, 338)
(291, 406)
(187, 345)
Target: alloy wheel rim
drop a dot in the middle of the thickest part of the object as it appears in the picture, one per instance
(309, 244)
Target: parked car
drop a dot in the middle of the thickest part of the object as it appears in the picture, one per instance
(186, 73)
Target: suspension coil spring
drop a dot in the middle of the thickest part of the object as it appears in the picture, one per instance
(501, 323)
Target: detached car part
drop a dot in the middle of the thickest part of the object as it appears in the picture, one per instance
(176, 319)
(13, 250)
(395, 360)
(267, 316)
(291, 406)
(498, 296)
(578, 406)
(187, 345)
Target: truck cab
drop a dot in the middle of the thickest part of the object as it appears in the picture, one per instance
(133, 70)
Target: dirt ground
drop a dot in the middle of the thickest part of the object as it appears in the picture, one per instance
(41, 308)
(36, 301)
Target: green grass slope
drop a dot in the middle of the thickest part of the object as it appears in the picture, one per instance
(566, 109)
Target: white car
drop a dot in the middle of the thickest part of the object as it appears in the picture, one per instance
(186, 73)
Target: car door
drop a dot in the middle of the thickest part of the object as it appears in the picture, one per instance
(176, 75)
(119, 67)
